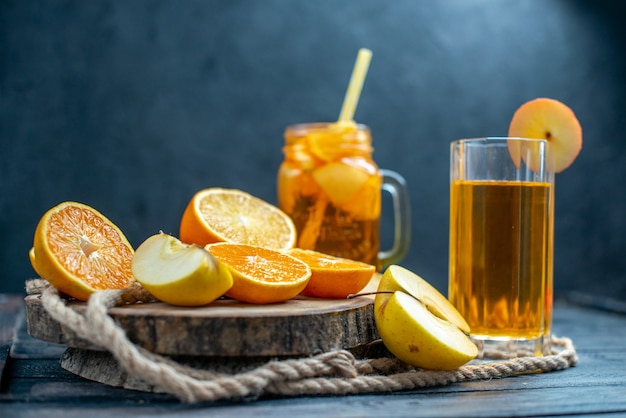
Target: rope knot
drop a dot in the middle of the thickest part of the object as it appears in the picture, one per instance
(342, 363)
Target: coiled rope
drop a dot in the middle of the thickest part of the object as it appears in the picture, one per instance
(332, 373)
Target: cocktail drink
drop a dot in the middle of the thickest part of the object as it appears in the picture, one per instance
(501, 221)
(331, 187)
(507, 269)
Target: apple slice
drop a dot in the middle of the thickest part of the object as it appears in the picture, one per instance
(418, 324)
(340, 181)
(552, 120)
(179, 274)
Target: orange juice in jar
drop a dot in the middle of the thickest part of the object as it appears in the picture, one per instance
(331, 187)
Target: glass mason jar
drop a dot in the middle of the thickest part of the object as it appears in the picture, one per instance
(331, 187)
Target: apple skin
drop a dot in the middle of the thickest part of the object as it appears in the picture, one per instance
(397, 278)
(179, 274)
(418, 324)
(548, 119)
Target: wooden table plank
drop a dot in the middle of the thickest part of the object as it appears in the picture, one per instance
(527, 403)
(596, 386)
(10, 309)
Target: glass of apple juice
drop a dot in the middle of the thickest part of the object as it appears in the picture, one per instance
(331, 187)
(501, 243)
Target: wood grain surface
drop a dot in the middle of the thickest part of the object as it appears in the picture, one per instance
(227, 328)
(35, 384)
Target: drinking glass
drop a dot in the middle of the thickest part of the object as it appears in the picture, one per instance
(331, 187)
(501, 242)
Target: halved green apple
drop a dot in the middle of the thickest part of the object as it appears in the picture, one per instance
(179, 274)
(418, 324)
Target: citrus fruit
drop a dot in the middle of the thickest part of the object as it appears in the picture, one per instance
(293, 183)
(79, 251)
(230, 215)
(179, 274)
(333, 277)
(553, 121)
(261, 275)
(322, 139)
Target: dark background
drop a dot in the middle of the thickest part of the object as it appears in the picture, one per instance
(133, 106)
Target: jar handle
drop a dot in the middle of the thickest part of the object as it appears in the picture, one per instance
(395, 185)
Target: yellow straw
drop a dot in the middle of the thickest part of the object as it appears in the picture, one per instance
(353, 93)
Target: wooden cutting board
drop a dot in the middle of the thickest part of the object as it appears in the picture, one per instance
(228, 328)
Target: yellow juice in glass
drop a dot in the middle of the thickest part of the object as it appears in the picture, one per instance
(331, 187)
(500, 257)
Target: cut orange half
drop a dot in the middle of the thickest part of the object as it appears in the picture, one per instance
(333, 277)
(79, 251)
(261, 275)
(230, 215)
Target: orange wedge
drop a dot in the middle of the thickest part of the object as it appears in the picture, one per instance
(333, 277)
(230, 215)
(261, 275)
(322, 141)
(79, 251)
